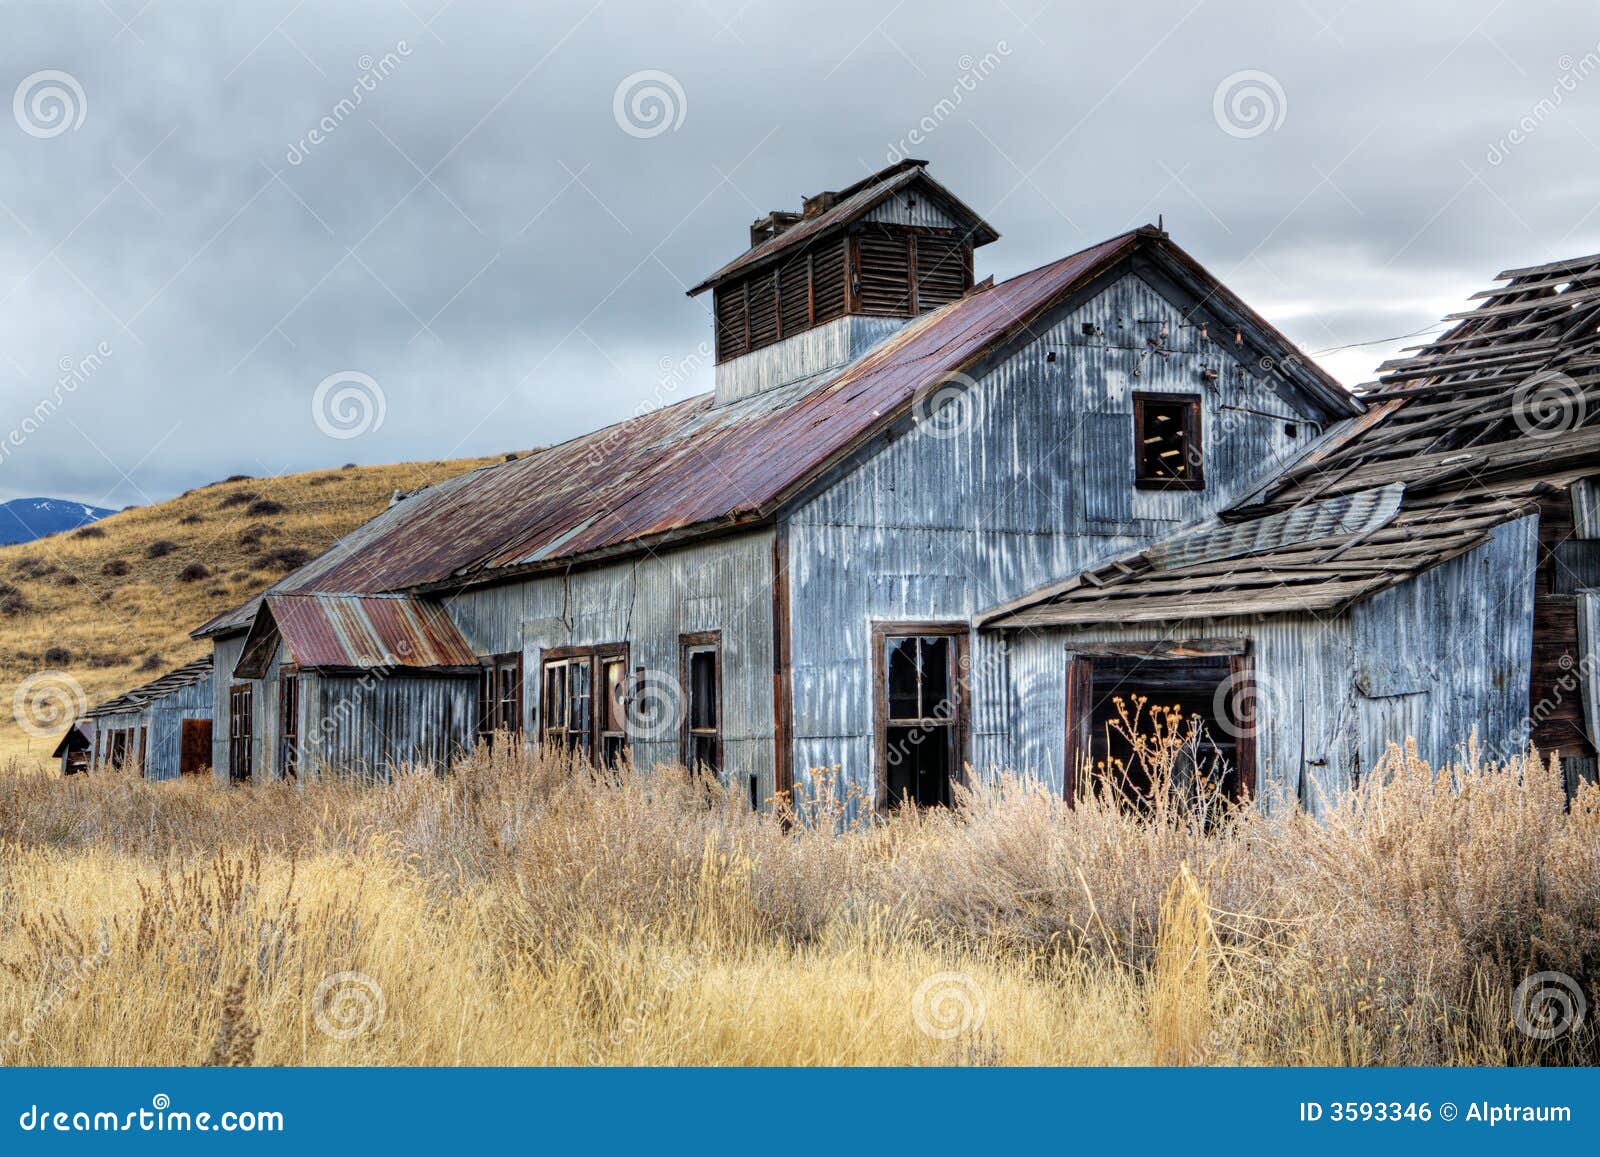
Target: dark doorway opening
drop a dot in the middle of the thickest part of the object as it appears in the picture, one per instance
(1201, 704)
(921, 713)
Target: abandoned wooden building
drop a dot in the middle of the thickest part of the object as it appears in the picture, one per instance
(925, 523)
(162, 727)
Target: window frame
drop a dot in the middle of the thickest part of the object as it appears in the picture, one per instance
(960, 727)
(690, 644)
(1193, 439)
(493, 704)
(241, 755)
(596, 657)
(288, 762)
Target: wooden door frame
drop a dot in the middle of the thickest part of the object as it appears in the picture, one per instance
(880, 634)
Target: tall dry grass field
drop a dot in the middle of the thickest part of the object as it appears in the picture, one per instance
(520, 911)
(111, 605)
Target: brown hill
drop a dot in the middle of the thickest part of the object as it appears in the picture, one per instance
(111, 605)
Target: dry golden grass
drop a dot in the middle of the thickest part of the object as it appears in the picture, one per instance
(98, 606)
(525, 911)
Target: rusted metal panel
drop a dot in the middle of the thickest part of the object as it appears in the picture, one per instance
(340, 632)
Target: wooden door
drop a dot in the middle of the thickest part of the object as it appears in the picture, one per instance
(194, 755)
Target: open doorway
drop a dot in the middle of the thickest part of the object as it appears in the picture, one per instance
(1202, 697)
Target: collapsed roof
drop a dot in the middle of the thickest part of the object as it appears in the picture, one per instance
(142, 696)
(1474, 428)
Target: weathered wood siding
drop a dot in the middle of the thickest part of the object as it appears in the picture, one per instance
(721, 585)
(1034, 485)
(1436, 659)
(163, 721)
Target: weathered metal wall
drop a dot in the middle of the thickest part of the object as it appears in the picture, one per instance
(224, 655)
(1435, 659)
(164, 720)
(1028, 479)
(806, 354)
(911, 207)
(721, 585)
(371, 724)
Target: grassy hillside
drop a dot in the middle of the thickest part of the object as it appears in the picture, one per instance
(112, 604)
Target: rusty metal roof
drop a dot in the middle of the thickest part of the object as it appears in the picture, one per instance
(354, 632)
(853, 202)
(695, 468)
(158, 688)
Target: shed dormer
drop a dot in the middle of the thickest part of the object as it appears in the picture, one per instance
(894, 245)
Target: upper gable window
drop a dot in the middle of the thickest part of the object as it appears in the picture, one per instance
(1167, 450)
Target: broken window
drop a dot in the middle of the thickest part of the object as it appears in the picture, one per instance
(500, 696)
(241, 732)
(1167, 450)
(701, 666)
(583, 699)
(613, 710)
(1196, 714)
(288, 724)
(920, 713)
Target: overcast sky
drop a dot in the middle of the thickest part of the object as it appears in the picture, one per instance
(499, 232)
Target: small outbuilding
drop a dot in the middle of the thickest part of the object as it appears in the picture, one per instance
(74, 749)
(162, 727)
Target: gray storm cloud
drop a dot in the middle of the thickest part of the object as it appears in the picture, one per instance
(465, 202)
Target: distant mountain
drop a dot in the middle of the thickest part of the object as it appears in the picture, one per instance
(25, 519)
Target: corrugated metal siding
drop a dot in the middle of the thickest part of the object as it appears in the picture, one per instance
(938, 528)
(723, 585)
(810, 352)
(1461, 635)
(225, 656)
(911, 207)
(163, 719)
(369, 725)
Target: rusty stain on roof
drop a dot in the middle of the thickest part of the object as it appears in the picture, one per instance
(354, 632)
